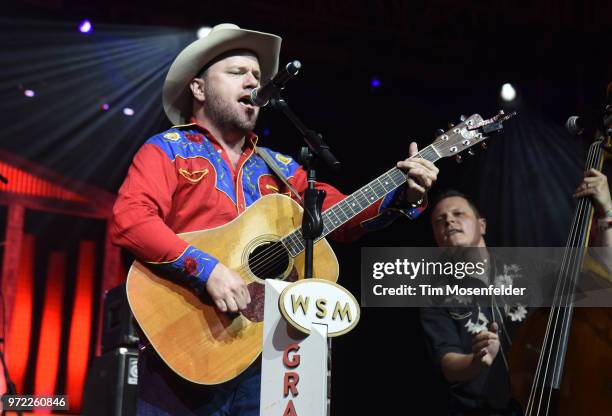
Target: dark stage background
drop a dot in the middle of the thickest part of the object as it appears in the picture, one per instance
(434, 60)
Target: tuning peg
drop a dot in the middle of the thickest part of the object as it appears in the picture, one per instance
(483, 145)
(439, 132)
(458, 158)
(471, 152)
(451, 125)
(462, 117)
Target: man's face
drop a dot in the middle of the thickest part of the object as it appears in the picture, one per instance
(455, 224)
(227, 88)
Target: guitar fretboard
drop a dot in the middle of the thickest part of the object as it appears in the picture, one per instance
(355, 203)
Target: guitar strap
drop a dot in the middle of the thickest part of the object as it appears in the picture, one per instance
(272, 165)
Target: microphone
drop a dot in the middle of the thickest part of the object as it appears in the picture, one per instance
(261, 95)
(576, 125)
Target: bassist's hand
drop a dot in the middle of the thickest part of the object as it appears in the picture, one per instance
(227, 289)
(595, 186)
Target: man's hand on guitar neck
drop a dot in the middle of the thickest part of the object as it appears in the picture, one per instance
(421, 175)
(227, 289)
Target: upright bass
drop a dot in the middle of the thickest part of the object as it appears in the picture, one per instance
(571, 373)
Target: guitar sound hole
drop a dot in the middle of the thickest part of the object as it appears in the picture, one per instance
(269, 260)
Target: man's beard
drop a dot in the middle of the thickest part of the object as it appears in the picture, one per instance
(225, 115)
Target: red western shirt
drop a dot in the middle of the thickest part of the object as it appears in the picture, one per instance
(182, 180)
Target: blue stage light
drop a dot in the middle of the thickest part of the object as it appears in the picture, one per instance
(85, 26)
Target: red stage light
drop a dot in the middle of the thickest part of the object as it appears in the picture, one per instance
(80, 327)
(47, 361)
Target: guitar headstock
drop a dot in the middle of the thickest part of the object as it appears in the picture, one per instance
(471, 131)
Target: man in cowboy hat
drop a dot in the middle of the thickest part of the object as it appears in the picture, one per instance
(204, 172)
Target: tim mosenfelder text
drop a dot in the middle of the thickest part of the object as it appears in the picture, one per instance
(405, 268)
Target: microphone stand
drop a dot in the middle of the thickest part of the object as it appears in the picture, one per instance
(312, 221)
(316, 148)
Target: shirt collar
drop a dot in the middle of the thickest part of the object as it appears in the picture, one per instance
(251, 138)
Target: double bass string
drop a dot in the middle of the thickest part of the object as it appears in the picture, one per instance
(545, 347)
(579, 247)
(575, 241)
(581, 217)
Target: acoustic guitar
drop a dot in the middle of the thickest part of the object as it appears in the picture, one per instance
(206, 346)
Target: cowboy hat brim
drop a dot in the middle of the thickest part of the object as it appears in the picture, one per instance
(177, 97)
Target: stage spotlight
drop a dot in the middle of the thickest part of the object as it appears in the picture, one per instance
(85, 26)
(266, 132)
(105, 107)
(204, 31)
(128, 111)
(375, 82)
(508, 93)
(29, 93)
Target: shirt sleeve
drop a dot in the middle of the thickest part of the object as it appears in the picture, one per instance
(440, 332)
(378, 215)
(143, 202)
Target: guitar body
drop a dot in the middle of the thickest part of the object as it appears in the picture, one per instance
(196, 340)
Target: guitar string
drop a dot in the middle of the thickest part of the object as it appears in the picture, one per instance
(281, 250)
(279, 254)
(261, 257)
(568, 265)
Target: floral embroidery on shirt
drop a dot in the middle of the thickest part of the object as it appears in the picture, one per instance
(193, 177)
(516, 312)
(283, 159)
(510, 273)
(172, 136)
(462, 299)
(190, 265)
(478, 326)
(194, 137)
(248, 169)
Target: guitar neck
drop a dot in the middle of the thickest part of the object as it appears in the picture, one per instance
(358, 201)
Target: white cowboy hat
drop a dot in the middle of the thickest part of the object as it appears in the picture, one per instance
(222, 38)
